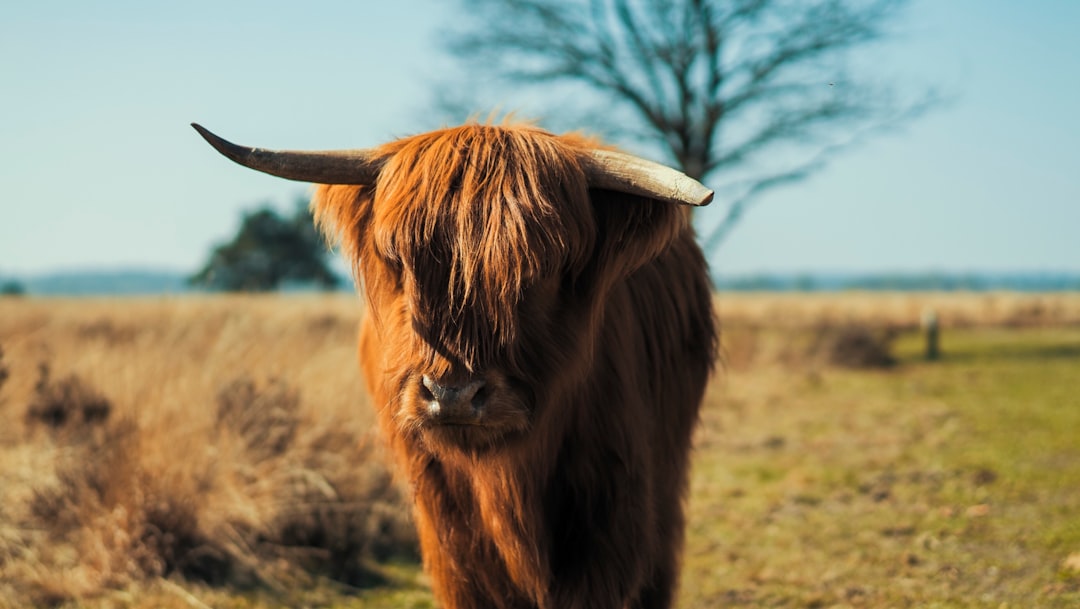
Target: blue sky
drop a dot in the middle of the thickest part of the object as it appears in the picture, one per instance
(99, 168)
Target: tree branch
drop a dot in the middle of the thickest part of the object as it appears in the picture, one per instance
(717, 84)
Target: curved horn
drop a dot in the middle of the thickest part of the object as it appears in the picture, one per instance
(623, 172)
(320, 167)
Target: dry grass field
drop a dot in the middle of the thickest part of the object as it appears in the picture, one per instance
(217, 452)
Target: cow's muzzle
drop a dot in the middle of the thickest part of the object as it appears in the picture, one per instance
(454, 404)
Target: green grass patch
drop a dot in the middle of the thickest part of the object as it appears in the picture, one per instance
(954, 483)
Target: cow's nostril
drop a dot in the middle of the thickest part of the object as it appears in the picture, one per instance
(469, 393)
(425, 391)
(438, 391)
(458, 401)
(481, 396)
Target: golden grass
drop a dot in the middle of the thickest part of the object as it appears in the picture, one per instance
(236, 449)
(237, 452)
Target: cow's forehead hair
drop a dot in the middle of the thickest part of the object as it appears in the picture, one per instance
(463, 221)
(476, 213)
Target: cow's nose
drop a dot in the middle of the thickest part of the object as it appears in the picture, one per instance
(455, 402)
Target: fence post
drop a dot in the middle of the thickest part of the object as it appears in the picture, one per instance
(932, 332)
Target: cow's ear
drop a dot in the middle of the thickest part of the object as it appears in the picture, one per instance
(633, 230)
(343, 214)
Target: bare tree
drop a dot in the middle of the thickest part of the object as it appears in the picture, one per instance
(757, 93)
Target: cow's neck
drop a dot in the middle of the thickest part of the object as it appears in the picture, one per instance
(501, 495)
(510, 509)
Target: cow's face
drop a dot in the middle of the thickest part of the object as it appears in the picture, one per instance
(472, 264)
(460, 377)
(484, 257)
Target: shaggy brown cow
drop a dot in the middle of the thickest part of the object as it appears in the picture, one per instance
(538, 341)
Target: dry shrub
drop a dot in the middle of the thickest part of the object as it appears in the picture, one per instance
(4, 372)
(67, 405)
(291, 499)
(844, 344)
(338, 510)
(108, 331)
(1034, 313)
(339, 523)
(126, 521)
(329, 323)
(265, 419)
(854, 346)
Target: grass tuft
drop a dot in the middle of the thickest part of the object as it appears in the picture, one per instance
(264, 418)
(4, 371)
(68, 405)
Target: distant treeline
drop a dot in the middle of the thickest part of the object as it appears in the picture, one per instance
(100, 283)
(148, 282)
(122, 283)
(907, 282)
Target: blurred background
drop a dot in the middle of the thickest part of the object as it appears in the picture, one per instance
(878, 144)
(895, 417)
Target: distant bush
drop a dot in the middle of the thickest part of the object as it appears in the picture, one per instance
(4, 372)
(854, 345)
(11, 288)
(67, 404)
(109, 331)
(269, 251)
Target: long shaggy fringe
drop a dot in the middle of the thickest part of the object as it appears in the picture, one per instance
(442, 227)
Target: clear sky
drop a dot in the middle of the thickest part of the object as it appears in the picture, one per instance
(99, 168)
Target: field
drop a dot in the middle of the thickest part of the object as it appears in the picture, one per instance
(217, 452)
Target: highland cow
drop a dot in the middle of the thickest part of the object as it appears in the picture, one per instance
(537, 343)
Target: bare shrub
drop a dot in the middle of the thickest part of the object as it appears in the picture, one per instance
(337, 509)
(344, 512)
(854, 345)
(125, 521)
(108, 331)
(265, 418)
(67, 404)
(297, 498)
(1033, 313)
(4, 372)
(331, 323)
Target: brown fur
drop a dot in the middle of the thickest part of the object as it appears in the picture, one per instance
(484, 254)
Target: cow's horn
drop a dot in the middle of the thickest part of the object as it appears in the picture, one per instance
(634, 175)
(320, 167)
